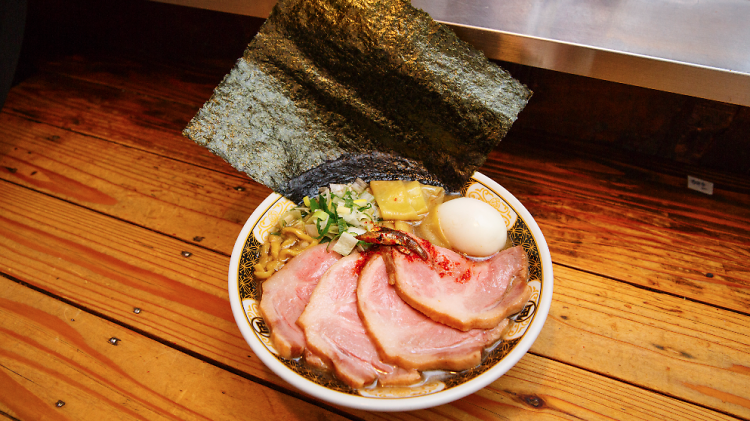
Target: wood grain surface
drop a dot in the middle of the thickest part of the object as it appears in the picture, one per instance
(100, 196)
(162, 194)
(58, 362)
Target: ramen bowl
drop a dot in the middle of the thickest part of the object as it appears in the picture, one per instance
(245, 295)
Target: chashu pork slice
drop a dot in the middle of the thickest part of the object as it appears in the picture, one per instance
(335, 333)
(460, 292)
(287, 292)
(408, 338)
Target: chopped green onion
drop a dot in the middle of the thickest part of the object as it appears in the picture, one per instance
(339, 211)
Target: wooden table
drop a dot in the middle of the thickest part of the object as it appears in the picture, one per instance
(116, 234)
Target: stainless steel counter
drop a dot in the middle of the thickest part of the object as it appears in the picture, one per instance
(693, 47)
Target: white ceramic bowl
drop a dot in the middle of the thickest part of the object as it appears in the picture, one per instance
(244, 295)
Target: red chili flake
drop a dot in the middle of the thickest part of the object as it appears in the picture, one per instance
(464, 278)
(362, 259)
(444, 264)
(429, 248)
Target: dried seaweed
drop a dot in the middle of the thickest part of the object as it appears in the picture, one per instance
(329, 80)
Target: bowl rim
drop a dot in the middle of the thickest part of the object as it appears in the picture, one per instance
(384, 404)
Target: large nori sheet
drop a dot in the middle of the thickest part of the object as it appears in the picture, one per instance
(330, 90)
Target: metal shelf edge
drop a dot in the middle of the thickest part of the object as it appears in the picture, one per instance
(685, 77)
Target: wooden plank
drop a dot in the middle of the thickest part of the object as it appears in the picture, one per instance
(539, 388)
(187, 85)
(177, 199)
(681, 348)
(112, 267)
(140, 121)
(645, 228)
(57, 362)
(70, 360)
(59, 247)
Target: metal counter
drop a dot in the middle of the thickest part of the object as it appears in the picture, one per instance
(699, 48)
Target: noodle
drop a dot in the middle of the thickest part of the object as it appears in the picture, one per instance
(279, 248)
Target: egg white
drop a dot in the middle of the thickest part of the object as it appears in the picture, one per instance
(472, 227)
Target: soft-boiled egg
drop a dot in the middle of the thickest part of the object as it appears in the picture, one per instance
(472, 226)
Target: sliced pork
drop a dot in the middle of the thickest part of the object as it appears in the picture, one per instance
(518, 295)
(287, 292)
(406, 337)
(315, 361)
(335, 332)
(459, 292)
